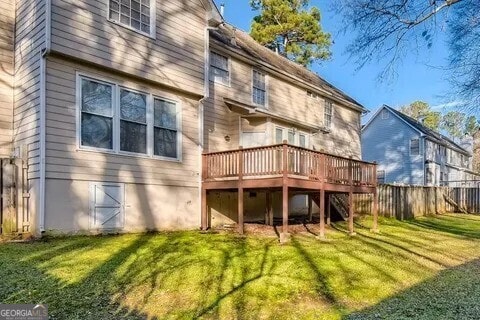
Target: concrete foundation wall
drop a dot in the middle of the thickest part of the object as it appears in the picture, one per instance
(147, 207)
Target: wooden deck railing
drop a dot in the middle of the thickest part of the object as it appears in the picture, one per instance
(269, 161)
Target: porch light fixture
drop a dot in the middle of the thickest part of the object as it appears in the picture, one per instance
(227, 138)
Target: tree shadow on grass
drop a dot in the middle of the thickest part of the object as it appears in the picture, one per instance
(143, 277)
(452, 294)
(443, 225)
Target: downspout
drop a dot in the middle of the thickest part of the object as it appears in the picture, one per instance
(201, 106)
(43, 106)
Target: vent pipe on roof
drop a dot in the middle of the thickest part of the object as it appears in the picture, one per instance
(222, 9)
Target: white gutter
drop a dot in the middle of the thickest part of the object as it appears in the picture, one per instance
(43, 106)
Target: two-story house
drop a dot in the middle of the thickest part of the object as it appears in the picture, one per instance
(110, 111)
(259, 99)
(407, 152)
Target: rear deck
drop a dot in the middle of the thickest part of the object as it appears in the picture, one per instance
(290, 169)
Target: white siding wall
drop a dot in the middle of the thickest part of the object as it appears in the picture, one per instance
(7, 32)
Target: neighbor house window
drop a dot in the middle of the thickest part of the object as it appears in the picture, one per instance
(134, 123)
(135, 14)
(328, 114)
(381, 176)
(259, 88)
(96, 105)
(219, 68)
(415, 147)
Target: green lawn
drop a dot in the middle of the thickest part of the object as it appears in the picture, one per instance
(423, 269)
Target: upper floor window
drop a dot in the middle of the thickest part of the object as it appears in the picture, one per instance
(414, 147)
(219, 68)
(380, 176)
(135, 14)
(125, 124)
(328, 114)
(259, 88)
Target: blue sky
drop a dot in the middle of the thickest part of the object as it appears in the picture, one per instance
(420, 77)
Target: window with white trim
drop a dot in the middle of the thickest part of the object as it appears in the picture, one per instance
(328, 114)
(380, 176)
(134, 123)
(219, 68)
(414, 147)
(292, 135)
(165, 128)
(96, 107)
(259, 90)
(134, 14)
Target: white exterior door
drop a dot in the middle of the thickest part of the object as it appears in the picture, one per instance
(107, 205)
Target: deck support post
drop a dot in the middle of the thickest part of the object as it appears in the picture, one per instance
(322, 214)
(351, 230)
(240, 191)
(204, 224)
(269, 211)
(284, 236)
(328, 210)
(310, 211)
(240, 211)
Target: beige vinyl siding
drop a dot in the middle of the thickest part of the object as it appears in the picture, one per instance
(175, 57)
(284, 98)
(29, 41)
(7, 29)
(65, 161)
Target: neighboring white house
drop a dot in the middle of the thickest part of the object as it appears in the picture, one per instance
(407, 152)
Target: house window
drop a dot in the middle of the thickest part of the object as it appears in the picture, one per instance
(291, 137)
(414, 147)
(165, 128)
(259, 88)
(328, 114)
(135, 14)
(134, 123)
(219, 69)
(429, 176)
(381, 176)
(385, 114)
(96, 105)
(278, 135)
(302, 140)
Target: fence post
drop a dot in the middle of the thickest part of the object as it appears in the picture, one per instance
(375, 198)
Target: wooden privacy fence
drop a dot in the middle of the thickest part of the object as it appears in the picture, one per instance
(405, 202)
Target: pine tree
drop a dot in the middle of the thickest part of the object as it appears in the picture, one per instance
(291, 28)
